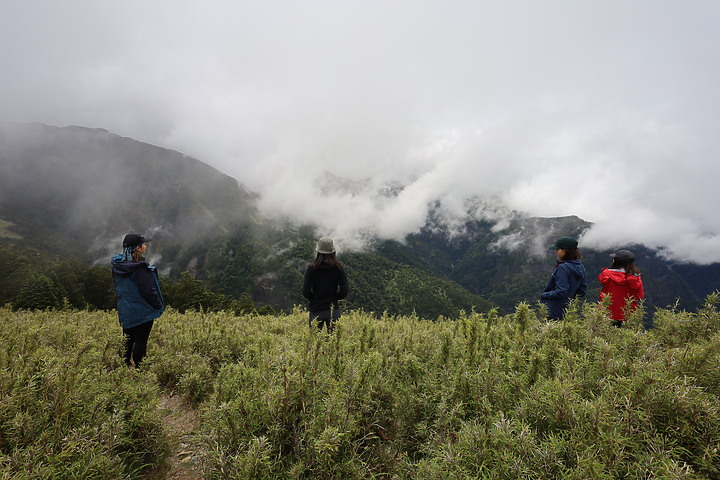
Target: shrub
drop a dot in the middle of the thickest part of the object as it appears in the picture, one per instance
(483, 396)
(38, 293)
(67, 410)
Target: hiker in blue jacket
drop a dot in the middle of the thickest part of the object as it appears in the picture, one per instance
(139, 299)
(567, 281)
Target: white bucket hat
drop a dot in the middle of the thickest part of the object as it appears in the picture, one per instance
(325, 245)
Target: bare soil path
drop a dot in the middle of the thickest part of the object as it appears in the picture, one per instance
(183, 426)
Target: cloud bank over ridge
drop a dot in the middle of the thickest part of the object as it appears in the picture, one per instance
(358, 116)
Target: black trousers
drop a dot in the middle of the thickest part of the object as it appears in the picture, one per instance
(325, 318)
(136, 339)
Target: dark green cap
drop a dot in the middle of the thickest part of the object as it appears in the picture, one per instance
(565, 243)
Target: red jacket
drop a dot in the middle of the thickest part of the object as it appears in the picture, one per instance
(620, 286)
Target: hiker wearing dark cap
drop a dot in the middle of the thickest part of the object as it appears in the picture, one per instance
(567, 281)
(324, 283)
(139, 299)
(623, 283)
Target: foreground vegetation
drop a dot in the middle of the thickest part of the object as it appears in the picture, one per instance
(484, 396)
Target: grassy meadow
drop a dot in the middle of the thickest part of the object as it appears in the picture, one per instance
(481, 397)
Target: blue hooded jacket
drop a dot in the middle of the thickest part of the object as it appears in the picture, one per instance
(567, 282)
(139, 299)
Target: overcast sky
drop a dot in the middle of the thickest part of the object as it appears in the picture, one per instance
(608, 110)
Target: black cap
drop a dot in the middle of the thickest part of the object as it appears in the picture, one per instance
(134, 240)
(624, 255)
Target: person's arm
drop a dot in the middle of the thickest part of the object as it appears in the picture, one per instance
(582, 288)
(307, 285)
(562, 285)
(148, 289)
(344, 285)
(636, 287)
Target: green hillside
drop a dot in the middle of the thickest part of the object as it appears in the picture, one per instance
(510, 265)
(56, 182)
(68, 195)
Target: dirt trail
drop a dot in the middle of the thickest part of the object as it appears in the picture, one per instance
(183, 426)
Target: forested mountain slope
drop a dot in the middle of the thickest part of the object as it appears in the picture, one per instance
(71, 194)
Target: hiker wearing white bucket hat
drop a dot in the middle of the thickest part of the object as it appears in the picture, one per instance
(324, 284)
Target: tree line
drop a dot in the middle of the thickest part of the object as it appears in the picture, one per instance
(39, 281)
(34, 282)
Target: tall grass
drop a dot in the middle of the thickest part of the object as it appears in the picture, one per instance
(484, 396)
(66, 408)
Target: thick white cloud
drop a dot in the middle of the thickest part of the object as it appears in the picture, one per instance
(358, 115)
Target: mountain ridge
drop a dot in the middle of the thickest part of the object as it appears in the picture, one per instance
(79, 188)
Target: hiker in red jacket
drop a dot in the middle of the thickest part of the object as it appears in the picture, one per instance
(623, 283)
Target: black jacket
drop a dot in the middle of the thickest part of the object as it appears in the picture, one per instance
(324, 286)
